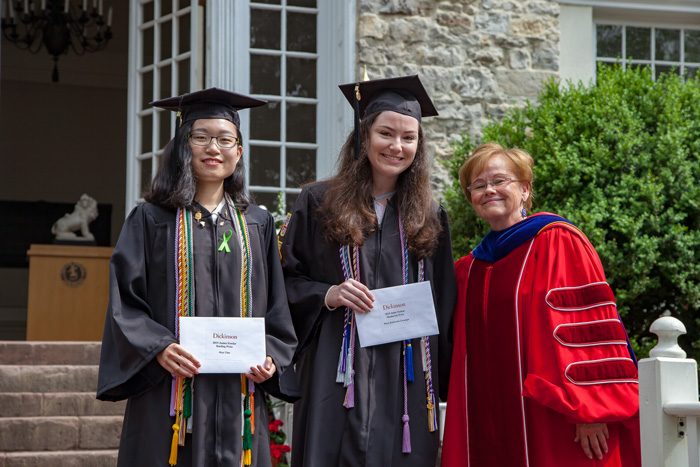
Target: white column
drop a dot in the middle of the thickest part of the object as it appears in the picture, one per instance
(666, 377)
(576, 44)
(228, 53)
(224, 55)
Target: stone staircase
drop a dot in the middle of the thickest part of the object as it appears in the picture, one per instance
(48, 412)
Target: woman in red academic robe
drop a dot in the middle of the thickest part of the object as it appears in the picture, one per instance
(542, 372)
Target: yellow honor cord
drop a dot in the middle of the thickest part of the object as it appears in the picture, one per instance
(173, 445)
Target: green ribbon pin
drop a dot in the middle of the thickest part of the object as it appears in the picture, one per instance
(224, 244)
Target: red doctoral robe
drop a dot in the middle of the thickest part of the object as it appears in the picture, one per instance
(538, 348)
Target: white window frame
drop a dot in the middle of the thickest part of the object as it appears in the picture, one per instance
(652, 61)
(228, 45)
(336, 23)
(134, 93)
(578, 19)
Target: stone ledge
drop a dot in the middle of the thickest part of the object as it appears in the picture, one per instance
(48, 378)
(49, 353)
(30, 404)
(59, 433)
(102, 458)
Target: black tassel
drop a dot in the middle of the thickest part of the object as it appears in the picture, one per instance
(54, 75)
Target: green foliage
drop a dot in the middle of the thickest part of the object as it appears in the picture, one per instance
(620, 160)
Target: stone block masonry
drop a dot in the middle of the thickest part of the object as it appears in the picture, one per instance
(477, 58)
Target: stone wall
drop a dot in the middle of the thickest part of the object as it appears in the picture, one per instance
(477, 58)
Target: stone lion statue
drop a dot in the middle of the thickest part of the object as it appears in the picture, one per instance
(85, 212)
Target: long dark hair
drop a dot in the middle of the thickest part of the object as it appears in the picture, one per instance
(175, 185)
(348, 206)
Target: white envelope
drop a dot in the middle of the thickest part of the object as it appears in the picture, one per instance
(224, 345)
(399, 313)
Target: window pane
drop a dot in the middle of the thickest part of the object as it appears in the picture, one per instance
(146, 166)
(166, 40)
(184, 4)
(147, 10)
(301, 167)
(305, 3)
(265, 29)
(165, 82)
(301, 77)
(166, 7)
(164, 131)
(270, 2)
(183, 76)
(638, 43)
(301, 32)
(268, 200)
(264, 74)
(147, 89)
(301, 123)
(146, 133)
(147, 37)
(264, 166)
(691, 72)
(609, 41)
(668, 44)
(265, 122)
(692, 46)
(665, 69)
(183, 24)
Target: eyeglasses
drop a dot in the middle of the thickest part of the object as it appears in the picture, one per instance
(224, 142)
(479, 186)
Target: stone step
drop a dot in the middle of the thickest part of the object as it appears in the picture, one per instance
(49, 353)
(55, 404)
(48, 378)
(103, 458)
(59, 433)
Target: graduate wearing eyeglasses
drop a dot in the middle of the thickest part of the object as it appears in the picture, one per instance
(197, 247)
(374, 224)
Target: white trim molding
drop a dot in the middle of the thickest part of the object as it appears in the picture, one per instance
(672, 6)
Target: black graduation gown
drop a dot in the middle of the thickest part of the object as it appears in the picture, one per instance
(140, 323)
(325, 432)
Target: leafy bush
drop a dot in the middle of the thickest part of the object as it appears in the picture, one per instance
(620, 160)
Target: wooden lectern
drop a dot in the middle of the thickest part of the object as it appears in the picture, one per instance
(68, 292)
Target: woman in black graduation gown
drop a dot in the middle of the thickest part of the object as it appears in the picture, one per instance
(198, 247)
(359, 406)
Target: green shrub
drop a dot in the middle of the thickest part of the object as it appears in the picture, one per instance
(620, 160)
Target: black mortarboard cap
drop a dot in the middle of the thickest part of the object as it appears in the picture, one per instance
(405, 95)
(209, 103)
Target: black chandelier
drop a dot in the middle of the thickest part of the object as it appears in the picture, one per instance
(57, 24)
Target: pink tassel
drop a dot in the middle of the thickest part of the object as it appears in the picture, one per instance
(172, 397)
(350, 396)
(406, 435)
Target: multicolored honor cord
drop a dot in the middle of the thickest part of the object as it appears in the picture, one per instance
(181, 394)
(246, 310)
(408, 356)
(346, 371)
(345, 374)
